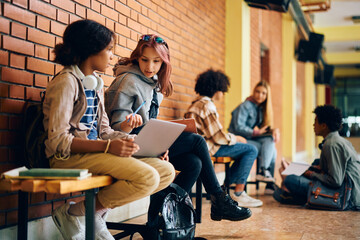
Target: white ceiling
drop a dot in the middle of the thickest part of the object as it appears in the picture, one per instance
(339, 14)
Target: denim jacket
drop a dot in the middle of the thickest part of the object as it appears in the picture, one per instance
(244, 118)
(63, 107)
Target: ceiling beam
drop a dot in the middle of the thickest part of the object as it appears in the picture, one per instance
(340, 33)
(346, 72)
(343, 58)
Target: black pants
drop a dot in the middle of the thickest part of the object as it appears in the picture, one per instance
(189, 154)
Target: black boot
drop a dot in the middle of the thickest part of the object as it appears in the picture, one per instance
(224, 207)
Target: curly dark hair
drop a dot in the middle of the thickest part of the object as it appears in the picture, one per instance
(82, 39)
(330, 115)
(210, 81)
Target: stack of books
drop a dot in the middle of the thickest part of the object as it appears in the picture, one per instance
(47, 173)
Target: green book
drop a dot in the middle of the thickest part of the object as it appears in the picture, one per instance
(54, 172)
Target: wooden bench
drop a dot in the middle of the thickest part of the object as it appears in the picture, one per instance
(89, 185)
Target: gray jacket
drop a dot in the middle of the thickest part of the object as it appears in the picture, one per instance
(127, 92)
(244, 118)
(338, 157)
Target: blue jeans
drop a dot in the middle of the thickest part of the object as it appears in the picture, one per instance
(244, 156)
(267, 153)
(190, 155)
(298, 187)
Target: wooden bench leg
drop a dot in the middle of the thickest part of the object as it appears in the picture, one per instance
(198, 200)
(23, 209)
(89, 214)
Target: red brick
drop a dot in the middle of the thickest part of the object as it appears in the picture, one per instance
(90, 14)
(134, 5)
(57, 28)
(41, 37)
(18, 30)
(43, 9)
(43, 23)
(4, 153)
(4, 123)
(16, 76)
(33, 93)
(95, 6)
(4, 25)
(41, 66)
(122, 30)
(19, 14)
(8, 202)
(74, 18)
(11, 106)
(41, 52)
(4, 90)
(21, 3)
(41, 80)
(62, 16)
(110, 13)
(17, 61)
(80, 10)
(110, 3)
(15, 122)
(134, 25)
(110, 24)
(146, 3)
(4, 57)
(17, 45)
(64, 4)
(122, 8)
(16, 91)
(83, 2)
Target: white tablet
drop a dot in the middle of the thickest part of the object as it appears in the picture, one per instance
(156, 137)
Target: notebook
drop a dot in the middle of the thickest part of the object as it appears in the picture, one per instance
(156, 137)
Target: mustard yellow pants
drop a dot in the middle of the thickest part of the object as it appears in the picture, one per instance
(134, 178)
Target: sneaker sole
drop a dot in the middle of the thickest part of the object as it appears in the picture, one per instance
(219, 218)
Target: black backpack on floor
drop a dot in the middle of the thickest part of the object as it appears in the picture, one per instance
(171, 215)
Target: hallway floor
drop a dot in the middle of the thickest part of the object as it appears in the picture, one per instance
(274, 221)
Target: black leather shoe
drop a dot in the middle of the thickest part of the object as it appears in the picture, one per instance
(224, 207)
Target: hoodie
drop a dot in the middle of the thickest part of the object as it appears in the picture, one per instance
(127, 92)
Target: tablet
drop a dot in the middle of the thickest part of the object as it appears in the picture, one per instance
(156, 137)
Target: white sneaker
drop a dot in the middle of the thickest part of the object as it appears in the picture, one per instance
(245, 200)
(71, 227)
(265, 177)
(101, 231)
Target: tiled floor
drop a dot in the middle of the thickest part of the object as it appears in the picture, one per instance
(274, 221)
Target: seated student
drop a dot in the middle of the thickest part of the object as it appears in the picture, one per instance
(145, 76)
(79, 135)
(211, 86)
(253, 118)
(337, 159)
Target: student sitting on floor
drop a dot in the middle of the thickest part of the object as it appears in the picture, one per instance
(211, 86)
(337, 159)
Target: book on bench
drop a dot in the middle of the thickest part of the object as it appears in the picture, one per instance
(47, 173)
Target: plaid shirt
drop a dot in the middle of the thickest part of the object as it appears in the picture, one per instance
(203, 110)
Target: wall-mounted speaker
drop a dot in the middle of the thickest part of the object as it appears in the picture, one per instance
(274, 5)
(310, 50)
(329, 74)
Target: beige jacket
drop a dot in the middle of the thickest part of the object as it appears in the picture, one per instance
(64, 105)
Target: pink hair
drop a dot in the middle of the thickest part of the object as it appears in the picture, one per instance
(164, 73)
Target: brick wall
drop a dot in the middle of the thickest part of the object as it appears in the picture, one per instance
(29, 30)
(266, 29)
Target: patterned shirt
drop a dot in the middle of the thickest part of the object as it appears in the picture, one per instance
(203, 110)
(90, 116)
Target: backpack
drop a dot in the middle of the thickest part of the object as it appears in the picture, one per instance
(171, 215)
(34, 135)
